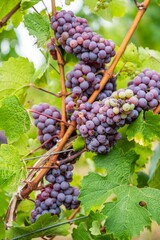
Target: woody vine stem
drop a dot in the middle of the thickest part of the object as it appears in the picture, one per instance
(31, 183)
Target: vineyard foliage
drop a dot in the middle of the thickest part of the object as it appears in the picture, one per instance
(119, 189)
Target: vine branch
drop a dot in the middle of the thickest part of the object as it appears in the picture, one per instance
(53, 7)
(9, 15)
(61, 64)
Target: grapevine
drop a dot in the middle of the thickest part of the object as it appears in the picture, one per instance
(97, 121)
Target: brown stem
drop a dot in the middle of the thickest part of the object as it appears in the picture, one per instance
(44, 90)
(53, 7)
(157, 110)
(72, 157)
(121, 50)
(74, 213)
(47, 141)
(9, 15)
(45, 115)
(61, 64)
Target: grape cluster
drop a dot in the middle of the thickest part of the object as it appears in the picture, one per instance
(57, 193)
(47, 121)
(74, 35)
(98, 122)
(52, 49)
(146, 87)
(102, 4)
(83, 80)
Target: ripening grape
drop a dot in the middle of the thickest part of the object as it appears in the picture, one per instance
(48, 125)
(57, 193)
(74, 35)
(147, 88)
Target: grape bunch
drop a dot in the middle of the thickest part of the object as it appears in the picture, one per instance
(83, 80)
(146, 86)
(57, 193)
(47, 120)
(52, 49)
(74, 35)
(99, 122)
(102, 4)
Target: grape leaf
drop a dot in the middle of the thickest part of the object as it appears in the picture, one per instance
(11, 168)
(81, 232)
(131, 54)
(78, 143)
(45, 225)
(95, 188)
(38, 26)
(16, 73)
(90, 227)
(132, 211)
(2, 229)
(25, 4)
(14, 119)
(154, 161)
(4, 203)
(145, 129)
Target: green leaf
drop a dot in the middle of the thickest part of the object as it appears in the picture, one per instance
(2, 229)
(132, 211)
(11, 168)
(15, 74)
(154, 171)
(25, 4)
(38, 26)
(116, 8)
(145, 129)
(78, 144)
(45, 225)
(154, 161)
(95, 188)
(131, 53)
(154, 181)
(81, 232)
(4, 203)
(14, 119)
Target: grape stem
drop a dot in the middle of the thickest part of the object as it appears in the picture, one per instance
(34, 181)
(157, 109)
(45, 115)
(63, 93)
(47, 141)
(53, 7)
(44, 90)
(71, 157)
(9, 15)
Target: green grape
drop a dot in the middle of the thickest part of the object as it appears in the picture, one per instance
(113, 102)
(129, 93)
(122, 95)
(123, 115)
(126, 107)
(116, 110)
(115, 95)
